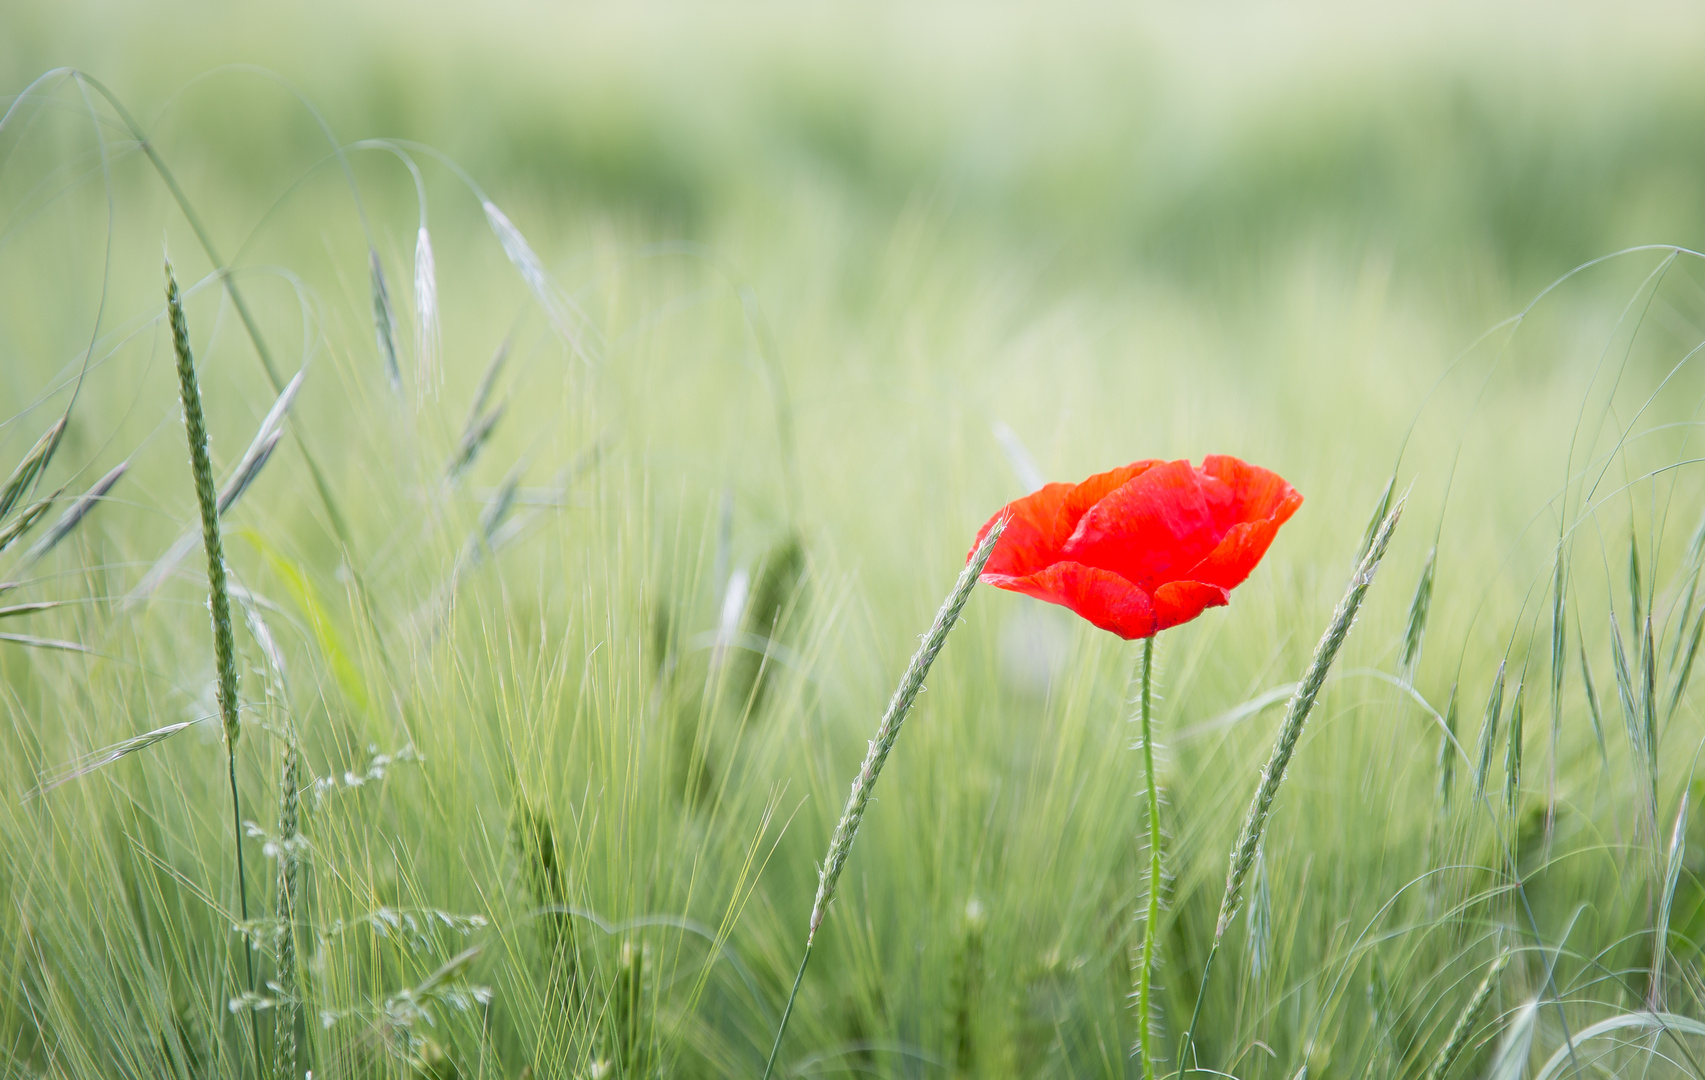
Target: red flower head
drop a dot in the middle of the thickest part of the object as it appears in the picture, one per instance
(1144, 547)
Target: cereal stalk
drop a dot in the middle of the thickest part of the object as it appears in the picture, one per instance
(218, 598)
(1466, 1020)
(1302, 702)
(846, 830)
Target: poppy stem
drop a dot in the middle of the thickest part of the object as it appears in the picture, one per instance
(1145, 1009)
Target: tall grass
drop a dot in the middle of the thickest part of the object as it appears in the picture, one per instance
(566, 665)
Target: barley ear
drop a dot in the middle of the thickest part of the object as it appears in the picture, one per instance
(846, 830)
(1273, 774)
(1302, 703)
(1377, 519)
(428, 374)
(219, 598)
(384, 322)
(1409, 658)
(29, 470)
(285, 1056)
(1660, 934)
(1467, 1019)
(1680, 684)
(1634, 591)
(1512, 752)
(1594, 713)
(1447, 752)
(1489, 731)
(74, 514)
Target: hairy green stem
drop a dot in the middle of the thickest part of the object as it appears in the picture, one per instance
(1145, 1008)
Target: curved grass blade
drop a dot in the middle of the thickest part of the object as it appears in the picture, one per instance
(887, 732)
(1559, 660)
(1640, 1021)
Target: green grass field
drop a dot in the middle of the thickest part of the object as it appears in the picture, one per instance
(559, 643)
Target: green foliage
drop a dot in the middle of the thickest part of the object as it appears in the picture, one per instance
(548, 805)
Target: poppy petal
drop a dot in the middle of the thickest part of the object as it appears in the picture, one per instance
(1098, 487)
(1180, 601)
(1237, 555)
(1249, 492)
(1149, 530)
(1100, 596)
(1030, 540)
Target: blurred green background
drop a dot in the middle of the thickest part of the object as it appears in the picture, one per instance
(848, 279)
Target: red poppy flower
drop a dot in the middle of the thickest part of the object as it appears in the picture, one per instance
(1143, 547)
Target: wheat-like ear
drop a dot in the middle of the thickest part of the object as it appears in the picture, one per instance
(29, 470)
(428, 374)
(1467, 1019)
(384, 322)
(26, 519)
(1409, 657)
(846, 830)
(74, 514)
(1660, 933)
(285, 899)
(1273, 773)
(1512, 752)
(218, 590)
(1489, 730)
(1447, 752)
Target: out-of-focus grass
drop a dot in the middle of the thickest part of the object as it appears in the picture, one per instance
(826, 260)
